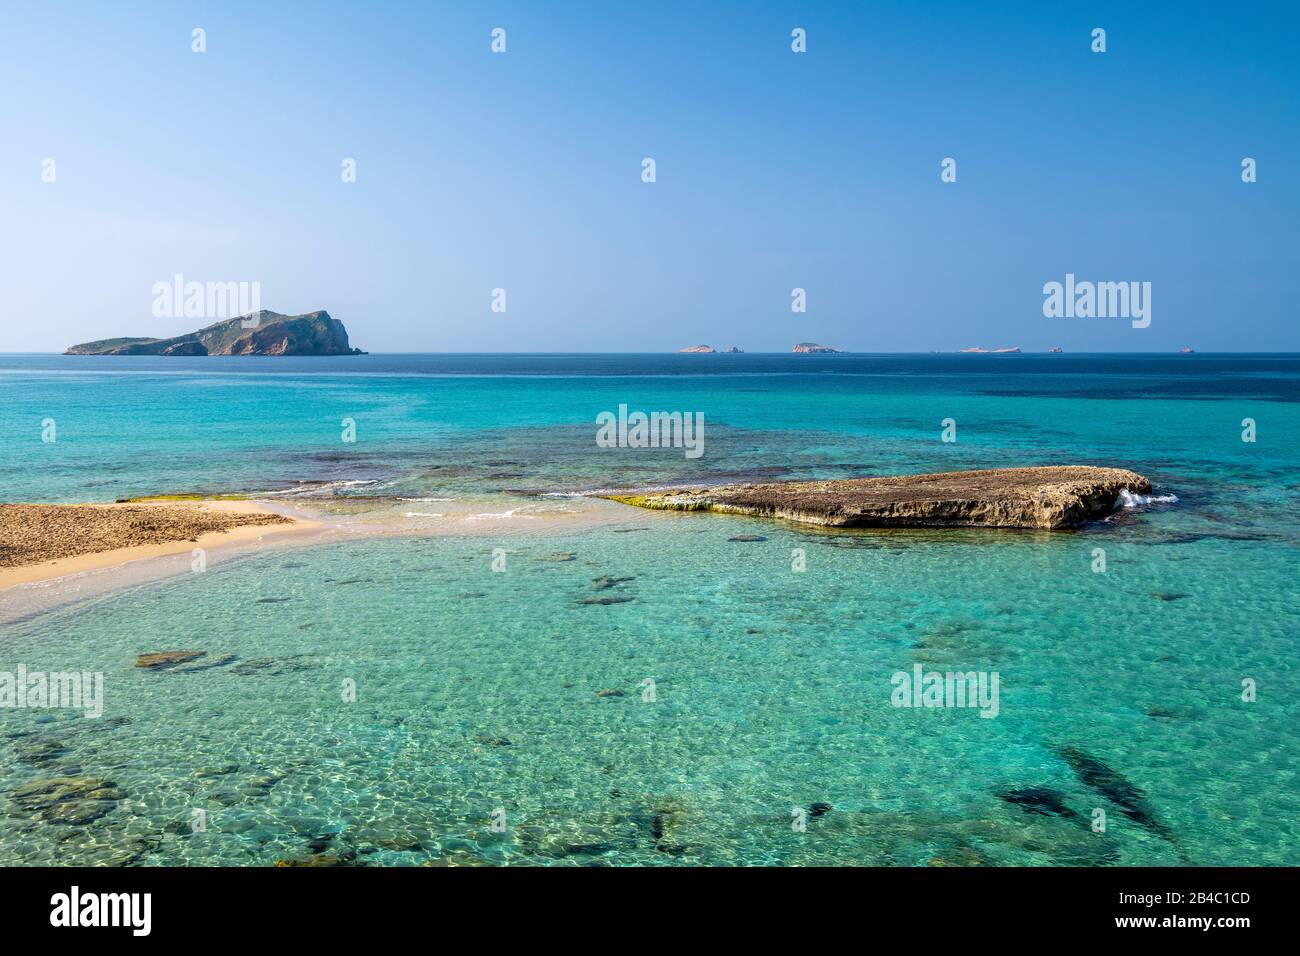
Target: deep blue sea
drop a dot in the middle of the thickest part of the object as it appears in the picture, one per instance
(546, 678)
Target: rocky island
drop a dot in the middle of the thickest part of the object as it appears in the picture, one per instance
(814, 347)
(697, 348)
(1049, 497)
(258, 333)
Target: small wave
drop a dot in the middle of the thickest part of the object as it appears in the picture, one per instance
(424, 500)
(502, 514)
(422, 514)
(1129, 500)
(312, 489)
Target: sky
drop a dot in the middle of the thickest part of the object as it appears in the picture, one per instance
(774, 170)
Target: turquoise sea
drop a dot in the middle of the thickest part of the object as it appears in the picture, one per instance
(635, 687)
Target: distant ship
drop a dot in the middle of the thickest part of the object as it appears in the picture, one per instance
(1187, 350)
(1055, 349)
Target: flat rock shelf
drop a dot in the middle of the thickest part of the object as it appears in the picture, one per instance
(1054, 497)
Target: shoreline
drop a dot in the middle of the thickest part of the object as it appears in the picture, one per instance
(32, 590)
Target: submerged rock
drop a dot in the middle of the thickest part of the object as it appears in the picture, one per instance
(332, 858)
(605, 583)
(606, 600)
(260, 785)
(959, 856)
(1049, 497)
(392, 836)
(206, 665)
(219, 771)
(1171, 713)
(40, 752)
(74, 801)
(162, 659)
(925, 837)
(1043, 800)
(275, 666)
(557, 836)
(1115, 787)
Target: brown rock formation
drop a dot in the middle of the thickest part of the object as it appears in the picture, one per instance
(259, 333)
(1050, 497)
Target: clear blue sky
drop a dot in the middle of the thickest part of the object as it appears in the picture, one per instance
(775, 170)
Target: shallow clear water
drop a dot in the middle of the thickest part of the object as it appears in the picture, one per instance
(477, 689)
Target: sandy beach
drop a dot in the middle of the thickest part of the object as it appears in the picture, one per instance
(39, 542)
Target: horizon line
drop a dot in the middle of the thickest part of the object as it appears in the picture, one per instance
(955, 352)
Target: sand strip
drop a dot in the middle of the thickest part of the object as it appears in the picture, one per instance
(41, 542)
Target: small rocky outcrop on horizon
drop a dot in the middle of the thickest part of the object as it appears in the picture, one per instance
(813, 347)
(258, 333)
(697, 348)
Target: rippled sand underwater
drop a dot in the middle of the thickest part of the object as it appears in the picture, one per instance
(518, 696)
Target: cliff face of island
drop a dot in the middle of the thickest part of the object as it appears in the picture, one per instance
(1051, 497)
(269, 333)
(814, 347)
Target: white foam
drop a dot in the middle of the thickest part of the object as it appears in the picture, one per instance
(317, 489)
(1129, 500)
(502, 514)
